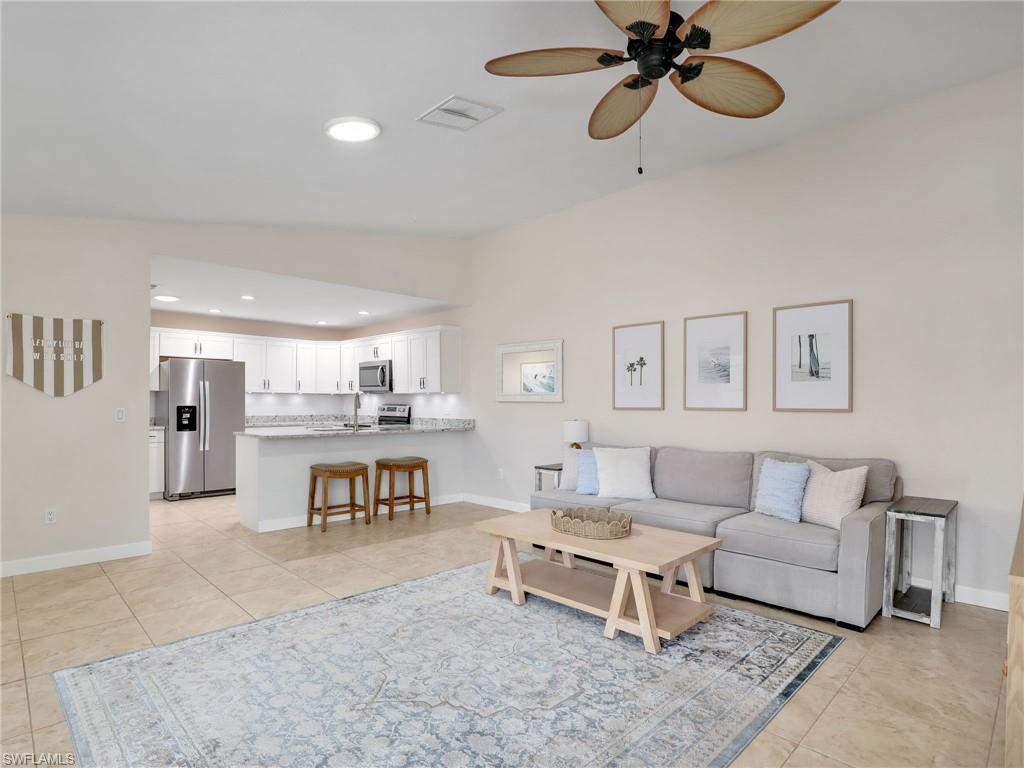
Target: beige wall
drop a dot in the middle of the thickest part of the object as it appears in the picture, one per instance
(430, 267)
(188, 321)
(914, 213)
(68, 452)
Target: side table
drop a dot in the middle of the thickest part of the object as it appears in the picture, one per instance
(899, 597)
(538, 475)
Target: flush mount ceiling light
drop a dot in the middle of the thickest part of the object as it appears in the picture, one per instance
(352, 129)
(247, 297)
(321, 322)
(166, 298)
(363, 312)
(215, 311)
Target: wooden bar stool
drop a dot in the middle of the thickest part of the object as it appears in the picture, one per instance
(346, 470)
(409, 465)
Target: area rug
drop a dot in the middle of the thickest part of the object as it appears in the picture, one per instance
(435, 672)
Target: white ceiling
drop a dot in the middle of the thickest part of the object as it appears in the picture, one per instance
(213, 111)
(202, 286)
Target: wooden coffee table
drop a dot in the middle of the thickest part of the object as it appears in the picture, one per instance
(627, 602)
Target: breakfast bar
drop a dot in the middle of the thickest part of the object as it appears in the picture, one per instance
(272, 463)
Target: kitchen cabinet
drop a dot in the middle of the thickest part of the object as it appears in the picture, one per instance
(349, 371)
(429, 361)
(281, 366)
(185, 344)
(156, 461)
(328, 368)
(306, 368)
(253, 352)
(368, 350)
(154, 360)
(401, 373)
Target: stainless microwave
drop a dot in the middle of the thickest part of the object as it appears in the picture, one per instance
(375, 376)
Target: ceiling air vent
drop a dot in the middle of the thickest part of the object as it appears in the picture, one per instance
(458, 113)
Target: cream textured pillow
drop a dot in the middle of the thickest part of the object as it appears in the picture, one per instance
(624, 472)
(831, 496)
(570, 469)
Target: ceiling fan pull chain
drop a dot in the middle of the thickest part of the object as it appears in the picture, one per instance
(640, 147)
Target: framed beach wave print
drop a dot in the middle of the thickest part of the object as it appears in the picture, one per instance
(715, 362)
(638, 367)
(812, 357)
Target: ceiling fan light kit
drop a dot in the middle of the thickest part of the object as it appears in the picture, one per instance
(658, 35)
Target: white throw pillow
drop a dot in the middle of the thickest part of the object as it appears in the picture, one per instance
(831, 496)
(624, 472)
(570, 469)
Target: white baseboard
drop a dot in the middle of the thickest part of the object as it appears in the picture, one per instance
(73, 558)
(299, 521)
(493, 501)
(985, 598)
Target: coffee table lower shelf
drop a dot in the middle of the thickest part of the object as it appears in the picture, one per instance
(591, 592)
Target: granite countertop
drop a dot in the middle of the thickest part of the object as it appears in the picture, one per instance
(284, 431)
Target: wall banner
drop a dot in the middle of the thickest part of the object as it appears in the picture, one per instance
(56, 355)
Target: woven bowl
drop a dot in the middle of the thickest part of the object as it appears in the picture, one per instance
(591, 523)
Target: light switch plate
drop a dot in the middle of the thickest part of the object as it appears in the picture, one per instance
(120, 414)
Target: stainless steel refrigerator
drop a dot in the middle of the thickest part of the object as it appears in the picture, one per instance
(203, 402)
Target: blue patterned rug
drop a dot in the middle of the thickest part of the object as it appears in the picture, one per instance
(434, 672)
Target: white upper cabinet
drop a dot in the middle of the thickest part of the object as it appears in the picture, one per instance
(427, 361)
(187, 344)
(328, 368)
(305, 368)
(253, 352)
(216, 347)
(154, 360)
(281, 366)
(349, 373)
(401, 369)
(179, 344)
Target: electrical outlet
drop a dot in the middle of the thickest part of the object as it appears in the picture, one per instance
(50, 516)
(120, 414)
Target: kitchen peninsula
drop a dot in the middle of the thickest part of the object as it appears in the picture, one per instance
(272, 463)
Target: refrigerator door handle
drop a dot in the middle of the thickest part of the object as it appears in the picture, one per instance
(201, 419)
(206, 415)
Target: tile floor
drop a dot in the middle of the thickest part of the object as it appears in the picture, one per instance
(899, 694)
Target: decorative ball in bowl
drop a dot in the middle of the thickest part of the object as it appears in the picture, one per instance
(591, 523)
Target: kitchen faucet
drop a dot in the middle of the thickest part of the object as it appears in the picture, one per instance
(355, 412)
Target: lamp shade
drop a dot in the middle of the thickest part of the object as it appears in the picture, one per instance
(575, 431)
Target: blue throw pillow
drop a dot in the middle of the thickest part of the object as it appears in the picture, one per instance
(780, 489)
(586, 474)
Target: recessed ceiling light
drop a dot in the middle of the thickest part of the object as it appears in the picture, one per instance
(215, 311)
(352, 129)
(321, 322)
(363, 312)
(166, 298)
(247, 297)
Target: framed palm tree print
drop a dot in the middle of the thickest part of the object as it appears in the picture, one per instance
(638, 367)
(812, 357)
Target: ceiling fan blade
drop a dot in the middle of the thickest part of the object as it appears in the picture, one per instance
(728, 87)
(622, 106)
(554, 61)
(736, 24)
(643, 19)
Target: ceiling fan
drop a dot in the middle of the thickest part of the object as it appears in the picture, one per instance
(657, 35)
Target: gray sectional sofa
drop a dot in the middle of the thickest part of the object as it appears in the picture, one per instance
(801, 566)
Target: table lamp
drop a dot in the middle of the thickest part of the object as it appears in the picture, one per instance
(575, 431)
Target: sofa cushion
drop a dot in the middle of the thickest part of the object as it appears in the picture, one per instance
(881, 481)
(624, 472)
(804, 544)
(715, 478)
(701, 519)
(556, 498)
(780, 491)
